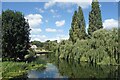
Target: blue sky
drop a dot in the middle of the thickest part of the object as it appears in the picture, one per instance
(51, 20)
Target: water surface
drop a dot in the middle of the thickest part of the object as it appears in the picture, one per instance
(69, 69)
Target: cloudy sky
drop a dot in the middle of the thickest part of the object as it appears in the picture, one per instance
(52, 20)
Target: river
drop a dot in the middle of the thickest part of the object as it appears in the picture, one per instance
(68, 69)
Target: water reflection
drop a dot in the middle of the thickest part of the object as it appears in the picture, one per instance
(50, 71)
(85, 70)
(69, 69)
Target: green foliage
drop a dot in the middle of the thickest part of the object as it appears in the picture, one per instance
(50, 45)
(77, 30)
(74, 31)
(95, 20)
(102, 48)
(0, 36)
(81, 24)
(15, 35)
(30, 57)
(37, 43)
(99, 47)
(16, 69)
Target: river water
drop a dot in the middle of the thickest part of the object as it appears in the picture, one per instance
(69, 69)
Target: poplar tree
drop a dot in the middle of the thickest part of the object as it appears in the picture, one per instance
(77, 30)
(81, 23)
(95, 20)
(74, 31)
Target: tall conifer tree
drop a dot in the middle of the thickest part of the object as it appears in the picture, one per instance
(81, 23)
(74, 31)
(95, 20)
(77, 30)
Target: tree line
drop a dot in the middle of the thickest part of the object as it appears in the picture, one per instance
(99, 46)
(47, 45)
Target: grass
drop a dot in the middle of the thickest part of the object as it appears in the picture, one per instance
(15, 69)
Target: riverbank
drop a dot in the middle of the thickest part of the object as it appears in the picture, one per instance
(15, 69)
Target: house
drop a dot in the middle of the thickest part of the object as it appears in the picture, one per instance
(34, 47)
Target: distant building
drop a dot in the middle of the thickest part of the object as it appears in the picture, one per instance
(43, 49)
(33, 47)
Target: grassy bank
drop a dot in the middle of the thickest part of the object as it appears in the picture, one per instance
(14, 69)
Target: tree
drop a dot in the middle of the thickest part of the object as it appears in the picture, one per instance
(81, 23)
(37, 43)
(0, 35)
(95, 20)
(77, 30)
(119, 46)
(15, 38)
(74, 31)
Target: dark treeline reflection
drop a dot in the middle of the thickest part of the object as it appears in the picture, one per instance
(85, 70)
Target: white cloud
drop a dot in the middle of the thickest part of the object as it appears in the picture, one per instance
(69, 5)
(62, 37)
(58, 38)
(60, 23)
(35, 31)
(44, 38)
(65, 5)
(34, 20)
(52, 11)
(46, 21)
(56, 16)
(40, 10)
(110, 23)
(41, 38)
(83, 4)
(52, 30)
(49, 4)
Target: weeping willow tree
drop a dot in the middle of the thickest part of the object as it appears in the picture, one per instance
(100, 48)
